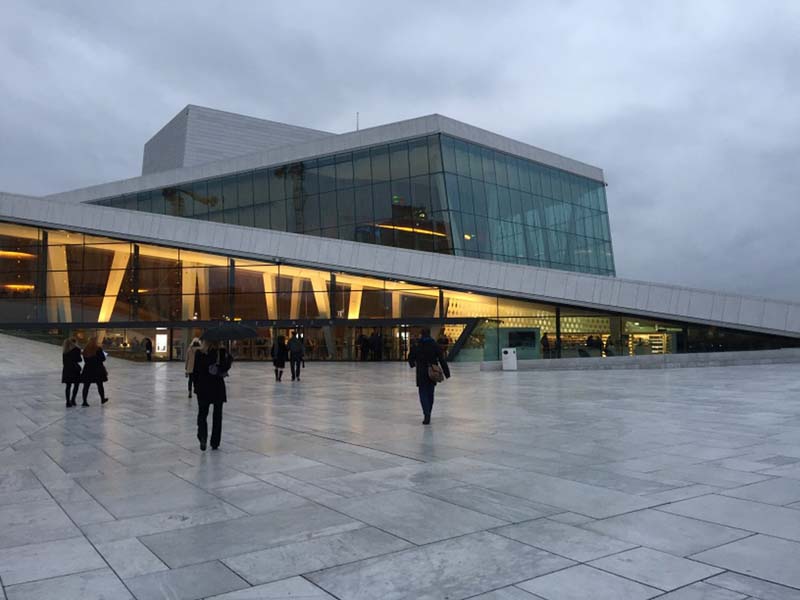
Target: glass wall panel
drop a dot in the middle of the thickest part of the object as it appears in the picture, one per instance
(390, 197)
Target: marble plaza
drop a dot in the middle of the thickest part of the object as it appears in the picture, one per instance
(680, 484)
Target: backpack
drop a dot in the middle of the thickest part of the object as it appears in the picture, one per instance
(435, 373)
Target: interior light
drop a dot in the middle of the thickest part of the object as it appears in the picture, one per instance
(467, 236)
(19, 287)
(412, 230)
(15, 254)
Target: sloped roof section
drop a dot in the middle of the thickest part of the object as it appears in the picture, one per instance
(331, 144)
(198, 135)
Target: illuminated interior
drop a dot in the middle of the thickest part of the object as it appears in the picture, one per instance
(124, 291)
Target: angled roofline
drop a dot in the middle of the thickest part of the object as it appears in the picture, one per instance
(333, 144)
(608, 294)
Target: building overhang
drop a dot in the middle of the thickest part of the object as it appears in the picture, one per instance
(613, 295)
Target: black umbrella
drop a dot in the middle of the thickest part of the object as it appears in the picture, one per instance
(229, 331)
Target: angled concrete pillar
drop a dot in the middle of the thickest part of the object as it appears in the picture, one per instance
(59, 307)
(115, 278)
(354, 308)
(323, 300)
(188, 289)
(397, 305)
(297, 289)
(270, 295)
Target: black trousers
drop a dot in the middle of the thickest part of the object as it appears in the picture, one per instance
(216, 421)
(294, 364)
(191, 381)
(100, 390)
(426, 398)
(71, 397)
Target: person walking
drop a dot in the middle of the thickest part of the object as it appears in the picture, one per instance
(428, 359)
(296, 351)
(71, 370)
(148, 349)
(211, 366)
(280, 354)
(191, 351)
(94, 371)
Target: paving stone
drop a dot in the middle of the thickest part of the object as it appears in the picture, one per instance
(755, 588)
(670, 533)
(414, 517)
(47, 559)
(507, 593)
(654, 568)
(138, 526)
(130, 558)
(101, 584)
(260, 497)
(131, 495)
(585, 583)
(493, 503)
(34, 522)
(458, 568)
(760, 556)
(287, 560)
(703, 591)
(238, 536)
(187, 583)
(744, 514)
(571, 496)
(294, 588)
(779, 491)
(565, 540)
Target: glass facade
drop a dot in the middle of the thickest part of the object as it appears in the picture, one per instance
(434, 193)
(123, 292)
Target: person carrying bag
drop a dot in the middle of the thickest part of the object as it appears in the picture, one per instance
(428, 359)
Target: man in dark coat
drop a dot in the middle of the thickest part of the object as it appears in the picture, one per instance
(211, 366)
(422, 356)
(148, 349)
(296, 351)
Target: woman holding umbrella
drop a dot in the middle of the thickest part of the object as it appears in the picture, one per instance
(211, 365)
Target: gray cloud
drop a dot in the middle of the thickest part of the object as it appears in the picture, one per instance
(690, 107)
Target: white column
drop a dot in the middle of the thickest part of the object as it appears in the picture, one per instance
(59, 307)
(188, 290)
(323, 300)
(115, 278)
(270, 295)
(297, 288)
(354, 309)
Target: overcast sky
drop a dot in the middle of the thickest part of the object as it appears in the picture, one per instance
(691, 108)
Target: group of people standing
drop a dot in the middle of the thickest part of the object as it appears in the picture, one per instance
(93, 371)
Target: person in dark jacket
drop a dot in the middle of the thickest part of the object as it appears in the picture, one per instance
(422, 356)
(280, 354)
(71, 370)
(211, 366)
(296, 351)
(94, 371)
(148, 349)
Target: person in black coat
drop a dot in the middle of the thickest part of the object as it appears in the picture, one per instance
(148, 349)
(94, 371)
(211, 366)
(71, 370)
(422, 356)
(280, 354)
